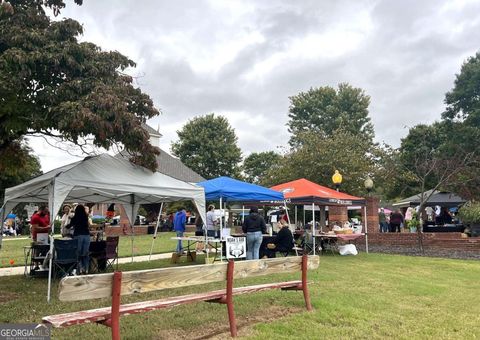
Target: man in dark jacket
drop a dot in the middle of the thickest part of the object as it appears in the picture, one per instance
(254, 226)
(396, 219)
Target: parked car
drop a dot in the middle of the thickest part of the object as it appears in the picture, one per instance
(138, 220)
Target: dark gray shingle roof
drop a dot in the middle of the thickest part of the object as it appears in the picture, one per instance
(172, 167)
(151, 130)
(442, 198)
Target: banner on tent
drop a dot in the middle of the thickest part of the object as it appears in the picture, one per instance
(236, 247)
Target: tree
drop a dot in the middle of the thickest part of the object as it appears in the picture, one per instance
(50, 84)
(208, 145)
(319, 156)
(256, 165)
(462, 117)
(25, 166)
(463, 101)
(325, 110)
(429, 160)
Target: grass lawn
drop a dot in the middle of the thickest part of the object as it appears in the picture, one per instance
(12, 249)
(372, 296)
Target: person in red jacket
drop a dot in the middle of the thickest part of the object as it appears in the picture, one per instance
(40, 222)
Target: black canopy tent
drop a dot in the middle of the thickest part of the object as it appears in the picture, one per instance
(440, 198)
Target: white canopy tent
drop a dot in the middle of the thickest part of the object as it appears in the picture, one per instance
(103, 179)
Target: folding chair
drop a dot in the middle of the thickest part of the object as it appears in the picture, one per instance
(97, 256)
(65, 256)
(307, 243)
(111, 252)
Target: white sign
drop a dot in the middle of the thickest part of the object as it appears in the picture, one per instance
(236, 247)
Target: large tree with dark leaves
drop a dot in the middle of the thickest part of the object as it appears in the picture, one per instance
(325, 110)
(318, 156)
(462, 116)
(50, 84)
(24, 167)
(257, 164)
(208, 145)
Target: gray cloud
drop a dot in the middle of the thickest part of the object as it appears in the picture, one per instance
(243, 59)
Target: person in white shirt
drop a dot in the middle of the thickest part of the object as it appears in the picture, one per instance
(65, 221)
(211, 221)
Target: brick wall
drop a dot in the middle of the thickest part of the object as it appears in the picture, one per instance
(337, 213)
(126, 230)
(120, 230)
(372, 215)
(434, 240)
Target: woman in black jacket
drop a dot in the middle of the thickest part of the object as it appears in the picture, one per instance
(81, 233)
(254, 226)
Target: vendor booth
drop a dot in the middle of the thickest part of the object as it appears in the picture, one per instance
(103, 179)
(305, 192)
(436, 198)
(440, 198)
(226, 189)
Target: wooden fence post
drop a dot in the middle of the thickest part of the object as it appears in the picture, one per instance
(306, 294)
(231, 312)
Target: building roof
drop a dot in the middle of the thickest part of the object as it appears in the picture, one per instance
(174, 167)
(441, 198)
(151, 131)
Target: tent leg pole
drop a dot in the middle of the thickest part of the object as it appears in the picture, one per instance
(243, 214)
(313, 227)
(155, 233)
(304, 222)
(2, 215)
(286, 211)
(221, 228)
(296, 215)
(50, 269)
(366, 229)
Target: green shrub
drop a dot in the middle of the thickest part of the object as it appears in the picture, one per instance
(414, 222)
(470, 213)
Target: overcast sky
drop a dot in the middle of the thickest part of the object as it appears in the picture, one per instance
(243, 59)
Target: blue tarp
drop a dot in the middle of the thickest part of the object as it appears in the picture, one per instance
(230, 189)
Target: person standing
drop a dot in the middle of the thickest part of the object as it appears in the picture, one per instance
(396, 219)
(179, 222)
(40, 222)
(211, 221)
(81, 233)
(382, 218)
(65, 227)
(254, 226)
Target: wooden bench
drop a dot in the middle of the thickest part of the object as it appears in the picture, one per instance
(86, 287)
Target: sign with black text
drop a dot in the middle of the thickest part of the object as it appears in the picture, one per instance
(236, 247)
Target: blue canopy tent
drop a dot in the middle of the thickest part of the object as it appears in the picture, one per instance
(231, 190)
(226, 189)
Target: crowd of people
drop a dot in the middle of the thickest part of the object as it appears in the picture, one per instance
(254, 228)
(75, 223)
(396, 220)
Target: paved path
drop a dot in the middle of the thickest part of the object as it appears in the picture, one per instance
(143, 258)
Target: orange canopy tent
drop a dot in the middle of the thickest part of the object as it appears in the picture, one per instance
(303, 191)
